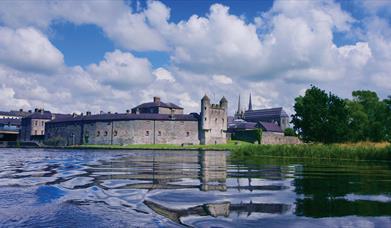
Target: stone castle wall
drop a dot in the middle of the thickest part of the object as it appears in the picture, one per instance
(126, 132)
(273, 138)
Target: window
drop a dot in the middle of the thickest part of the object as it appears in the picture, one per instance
(159, 133)
(42, 123)
(36, 123)
(41, 132)
(98, 133)
(222, 120)
(205, 108)
(115, 133)
(205, 118)
(216, 120)
(147, 133)
(187, 134)
(35, 132)
(105, 133)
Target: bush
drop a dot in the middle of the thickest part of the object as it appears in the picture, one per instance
(289, 132)
(250, 136)
(55, 141)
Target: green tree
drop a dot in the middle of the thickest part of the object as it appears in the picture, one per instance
(320, 117)
(289, 132)
(387, 103)
(376, 111)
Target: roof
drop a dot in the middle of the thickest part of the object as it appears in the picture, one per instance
(125, 116)
(244, 125)
(158, 104)
(264, 114)
(271, 127)
(15, 113)
(40, 115)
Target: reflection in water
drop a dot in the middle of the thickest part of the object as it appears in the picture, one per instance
(195, 188)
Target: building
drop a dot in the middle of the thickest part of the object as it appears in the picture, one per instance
(149, 123)
(213, 121)
(10, 122)
(14, 114)
(157, 106)
(275, 116)
(33, 126)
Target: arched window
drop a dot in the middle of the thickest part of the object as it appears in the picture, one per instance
(159, 133)
(105, 133)
(98, 133)
(115, 133)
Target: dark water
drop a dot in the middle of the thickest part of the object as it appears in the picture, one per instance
(54, 188)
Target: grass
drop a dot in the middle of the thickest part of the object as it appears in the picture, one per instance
(229, 146)
(345, 151)
(321, 151)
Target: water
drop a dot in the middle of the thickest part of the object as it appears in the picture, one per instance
(70, 188)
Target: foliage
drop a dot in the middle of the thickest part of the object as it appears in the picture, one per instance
(329, 119)
(319, 151)
(289, 132)
(320, 117)
(55, 141)
(250, 136)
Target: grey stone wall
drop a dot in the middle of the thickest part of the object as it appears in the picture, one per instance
(273, 138)
(126, 132)
(213, 122)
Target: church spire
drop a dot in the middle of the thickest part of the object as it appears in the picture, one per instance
(250, 105)
(239, 108)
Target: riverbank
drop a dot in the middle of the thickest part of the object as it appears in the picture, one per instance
(347, 151)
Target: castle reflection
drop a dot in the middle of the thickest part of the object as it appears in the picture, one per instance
(195, 171)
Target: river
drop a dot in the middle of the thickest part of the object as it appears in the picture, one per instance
(113, 188)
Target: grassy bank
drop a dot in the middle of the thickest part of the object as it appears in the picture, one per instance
(359, 151)
(231, 145)
(348, 151)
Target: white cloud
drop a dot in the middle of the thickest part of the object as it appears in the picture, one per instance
(127, 29)
(28, 49)
(222, 79)
(274, 56)
(122, 70)
(163, 74)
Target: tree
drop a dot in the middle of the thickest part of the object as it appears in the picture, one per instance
(289, 132)
(376, 112)
(320, 117)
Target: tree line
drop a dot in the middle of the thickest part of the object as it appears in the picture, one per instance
(327, 118)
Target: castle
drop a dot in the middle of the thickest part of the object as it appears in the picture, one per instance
(154, 122)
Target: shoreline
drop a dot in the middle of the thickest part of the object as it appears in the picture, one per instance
(350, 151)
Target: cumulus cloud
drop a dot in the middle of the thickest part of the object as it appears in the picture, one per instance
(127, 29)
(28, 49)
(274, 56)
(122, 70)
(163, 74)
(222, 79)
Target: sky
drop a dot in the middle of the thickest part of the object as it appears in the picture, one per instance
(78, 56)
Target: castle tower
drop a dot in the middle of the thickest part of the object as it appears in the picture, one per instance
(213, 121)
(250, 105)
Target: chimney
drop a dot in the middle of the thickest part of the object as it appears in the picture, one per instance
(156, 100)
(88, 113)
(81, 114)
(41, 111)
(101, 112)
(74, 115)
(35, 110)
(30, 111)
(127, 111)
(21, 110)
(108, 112)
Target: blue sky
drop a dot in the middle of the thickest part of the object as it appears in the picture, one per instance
(74, 56)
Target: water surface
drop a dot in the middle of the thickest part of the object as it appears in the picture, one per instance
(71, 188)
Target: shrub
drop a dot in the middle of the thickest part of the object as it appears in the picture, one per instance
(289, 132)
